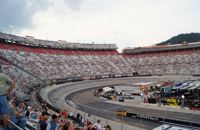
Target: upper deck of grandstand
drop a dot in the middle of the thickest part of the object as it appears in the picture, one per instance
(60, 44)
(162, 48)
(30, 44)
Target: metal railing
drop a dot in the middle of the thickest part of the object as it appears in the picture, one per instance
(13, 124)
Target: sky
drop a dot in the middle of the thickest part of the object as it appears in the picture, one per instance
(127, 23)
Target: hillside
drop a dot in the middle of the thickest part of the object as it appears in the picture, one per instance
(181, 38)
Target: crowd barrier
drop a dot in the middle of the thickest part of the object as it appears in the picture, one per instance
(165, 120)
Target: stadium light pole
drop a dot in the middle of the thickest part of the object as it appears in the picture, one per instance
(141, 122)
(109, 106)
(167, 109)
(141, 94)
(122, 122)
(182, 101)
(142, 100)
(192, 117)
(85, 111)
(95, 114)
(121, 118)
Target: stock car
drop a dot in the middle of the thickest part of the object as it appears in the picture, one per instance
(121, 113)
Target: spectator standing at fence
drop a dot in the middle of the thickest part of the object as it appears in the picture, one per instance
(64, 113)
(43, 120)
(87, 125)
(107, 128)
(6, 87)
(68, 126)
(16, 117)
(97, 125)
(53, 124)
(28, 111)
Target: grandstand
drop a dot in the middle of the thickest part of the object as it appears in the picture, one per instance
(165, 60)
(33, 60)
(162, 48)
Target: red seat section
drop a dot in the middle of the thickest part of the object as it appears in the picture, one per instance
(57, 51)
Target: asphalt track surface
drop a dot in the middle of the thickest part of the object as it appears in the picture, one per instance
(84, 100)
(97, 107)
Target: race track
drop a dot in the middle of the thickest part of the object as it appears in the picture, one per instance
(80, 95)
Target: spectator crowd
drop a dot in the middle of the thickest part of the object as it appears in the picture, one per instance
(26, 116)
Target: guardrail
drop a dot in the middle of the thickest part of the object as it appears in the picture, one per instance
(164, 120)
(13, 124)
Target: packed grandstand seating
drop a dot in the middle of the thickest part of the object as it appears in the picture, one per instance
(166, 63)
(43, 63)
(30, 41)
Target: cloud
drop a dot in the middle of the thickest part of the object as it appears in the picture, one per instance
(18, 13)
(125, 22)
(74, 4)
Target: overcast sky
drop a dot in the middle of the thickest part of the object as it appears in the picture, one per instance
(128, 23)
